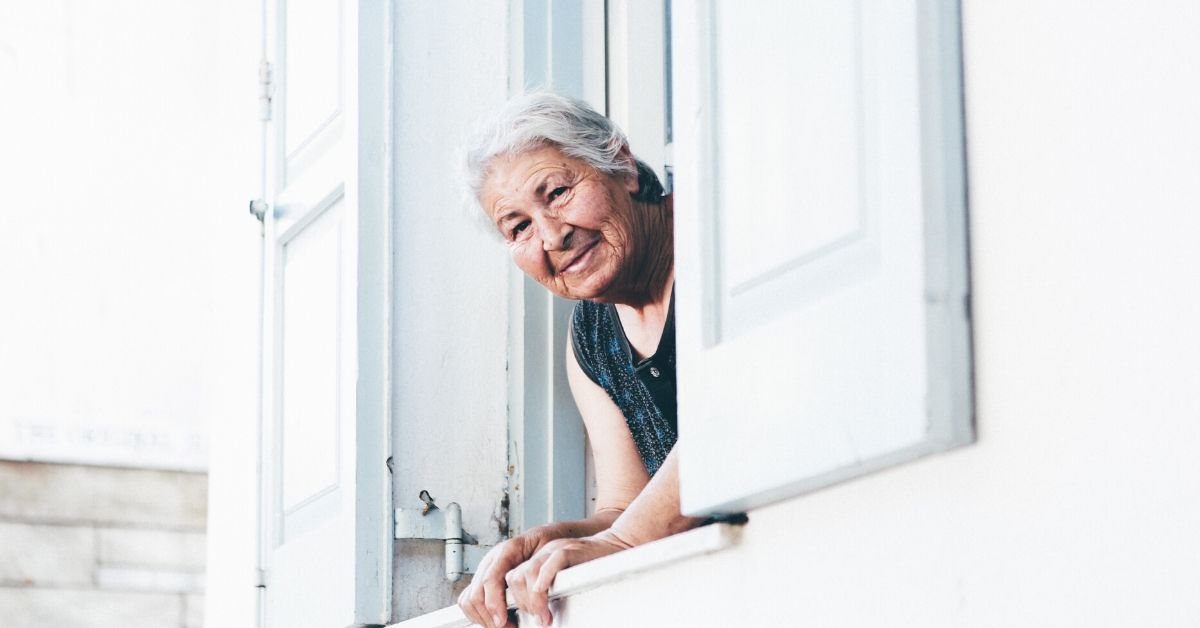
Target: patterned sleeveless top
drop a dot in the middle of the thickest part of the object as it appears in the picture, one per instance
(645, 390)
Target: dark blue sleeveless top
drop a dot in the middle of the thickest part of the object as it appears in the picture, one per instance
(644, 391)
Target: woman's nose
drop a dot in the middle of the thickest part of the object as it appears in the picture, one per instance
(556, 235)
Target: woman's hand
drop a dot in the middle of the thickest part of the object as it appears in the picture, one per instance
(483, 601)
(531, 581)
(653, 515)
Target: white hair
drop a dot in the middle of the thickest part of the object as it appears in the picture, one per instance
(537, 119)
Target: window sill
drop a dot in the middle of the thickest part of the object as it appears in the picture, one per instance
(590, 575)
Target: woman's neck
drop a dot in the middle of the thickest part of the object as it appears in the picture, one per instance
(643, 326)
(644, 306)
(651, 272)
(653, 307)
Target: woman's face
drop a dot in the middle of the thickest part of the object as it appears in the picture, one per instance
(567, 225)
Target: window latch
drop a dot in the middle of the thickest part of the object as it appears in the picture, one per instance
(258, 209)
(463, 551)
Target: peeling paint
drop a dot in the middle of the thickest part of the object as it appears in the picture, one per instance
(500, 516)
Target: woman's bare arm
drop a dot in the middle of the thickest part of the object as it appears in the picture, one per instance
(651, 513)
(620, 478)
(648, 508)
(620, 473)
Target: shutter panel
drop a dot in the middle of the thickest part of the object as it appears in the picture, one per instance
(325, 485)
(821, 244)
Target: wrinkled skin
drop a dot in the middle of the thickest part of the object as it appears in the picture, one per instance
(577, 231)
(530, 582)
(484, 601)
(517, 564)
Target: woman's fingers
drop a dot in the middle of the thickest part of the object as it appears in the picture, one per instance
(529, 581)
(471, 600)
(521, 578)
(518, 584)
(532, 581)
(483, 600)
(471, 603)
(494, 600)
(515, 580)
(539, 590)
(557, 562)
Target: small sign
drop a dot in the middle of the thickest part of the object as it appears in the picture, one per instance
(118, 445)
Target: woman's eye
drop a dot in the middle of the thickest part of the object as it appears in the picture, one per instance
(521, 226)
(557, 192)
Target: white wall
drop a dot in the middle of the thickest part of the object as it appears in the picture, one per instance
(122, 233)
(1079, 504)
(450, 323)
(128, 152)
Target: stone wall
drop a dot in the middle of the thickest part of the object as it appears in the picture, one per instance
(96, 547)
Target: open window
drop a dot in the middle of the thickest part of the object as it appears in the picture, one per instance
(815, 150)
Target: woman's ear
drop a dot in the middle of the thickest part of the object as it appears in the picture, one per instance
(631, 181)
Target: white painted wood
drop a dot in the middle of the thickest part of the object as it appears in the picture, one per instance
(309, 319)
(802, 258)
(449, 403)
(637, 78)
(449, 617)
(647, 557)
(312, 39)
(325, 485)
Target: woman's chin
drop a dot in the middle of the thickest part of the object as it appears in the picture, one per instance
(585, 289)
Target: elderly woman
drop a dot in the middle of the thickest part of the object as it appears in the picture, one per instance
(587, 220)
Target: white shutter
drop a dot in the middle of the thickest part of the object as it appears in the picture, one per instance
(820, 243)
(325, 485)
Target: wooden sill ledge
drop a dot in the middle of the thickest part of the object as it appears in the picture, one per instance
(619, 566)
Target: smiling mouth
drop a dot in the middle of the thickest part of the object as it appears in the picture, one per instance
(580, 260)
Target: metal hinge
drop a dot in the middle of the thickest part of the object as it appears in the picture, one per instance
(264, 90)
(463, 551)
